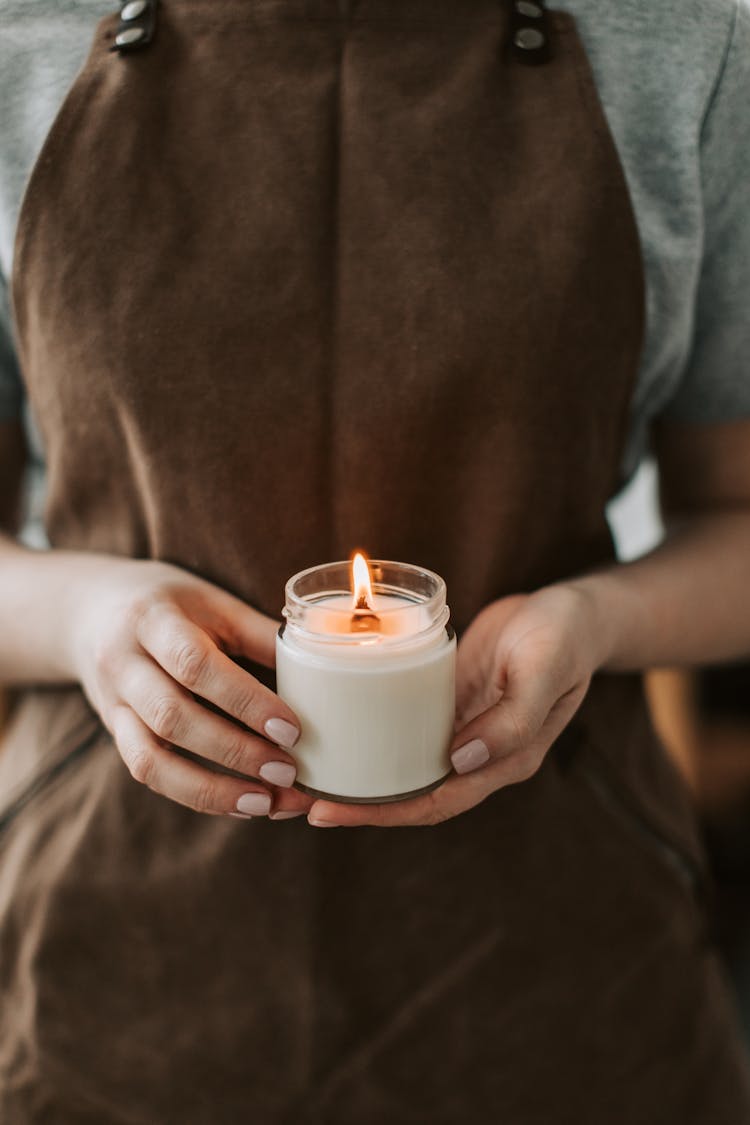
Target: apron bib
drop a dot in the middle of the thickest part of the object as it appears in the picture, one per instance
(300, 276)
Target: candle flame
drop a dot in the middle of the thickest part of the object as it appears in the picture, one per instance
(361, 582)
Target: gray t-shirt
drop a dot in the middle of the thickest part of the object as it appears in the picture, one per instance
(674, 80)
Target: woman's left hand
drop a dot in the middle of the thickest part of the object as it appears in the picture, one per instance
(524, 666)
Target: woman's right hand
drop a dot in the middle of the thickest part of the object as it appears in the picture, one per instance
(146, 638)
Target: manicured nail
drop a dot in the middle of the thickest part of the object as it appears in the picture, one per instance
(281, 732)
(241, 815)
(470, 756)
(285, 814)
(278, 773)
(257, 804)
(321, 823)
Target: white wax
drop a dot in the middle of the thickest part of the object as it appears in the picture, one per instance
(376, 718)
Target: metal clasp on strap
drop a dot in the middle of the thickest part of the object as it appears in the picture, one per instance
(137, 25)
(530, 32)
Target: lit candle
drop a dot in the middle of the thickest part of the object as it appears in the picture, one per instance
(367, 662)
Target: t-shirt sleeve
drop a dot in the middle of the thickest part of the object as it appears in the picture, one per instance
(11, 387)
(715, 385)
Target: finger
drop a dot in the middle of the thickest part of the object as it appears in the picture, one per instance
(286, 814)
(477, 693)
(508, 741)
(290, 802)
(456, 795)
(189, 656)
(175, 716)
(179, 779)
(479, 677)
(250, 632)
(529, 684)
(474, 673)
(471, 708)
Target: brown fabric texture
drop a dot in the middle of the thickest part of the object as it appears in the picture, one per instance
(301, 276)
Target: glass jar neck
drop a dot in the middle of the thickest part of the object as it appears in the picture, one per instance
(408, 606)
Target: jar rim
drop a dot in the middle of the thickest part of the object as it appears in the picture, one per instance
(422, 591)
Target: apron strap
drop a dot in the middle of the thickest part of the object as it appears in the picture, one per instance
(529, 30)
(137, 25)
(530, 33)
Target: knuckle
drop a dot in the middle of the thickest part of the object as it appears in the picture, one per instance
(190, 662)
(140, 762)
(435, 817)
(521, 730)
(164, 714)
(245, 705)
(205, 797)
(148, 615)
(234, 755)
(527, 765)
(132, 615)
(105, 656)
(435, 813)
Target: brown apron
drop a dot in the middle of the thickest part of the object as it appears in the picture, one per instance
(300, 276)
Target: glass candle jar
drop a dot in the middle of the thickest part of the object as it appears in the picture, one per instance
(374, 689)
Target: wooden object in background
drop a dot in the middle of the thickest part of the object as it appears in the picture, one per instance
(672, 697)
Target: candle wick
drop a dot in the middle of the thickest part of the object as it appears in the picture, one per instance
(363, 619)
(364, 622)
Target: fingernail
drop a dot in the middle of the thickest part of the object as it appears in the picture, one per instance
(282, 733)
(278, 773)
(286, 814)
(256, 804)
(470, 756)
(321, 823)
